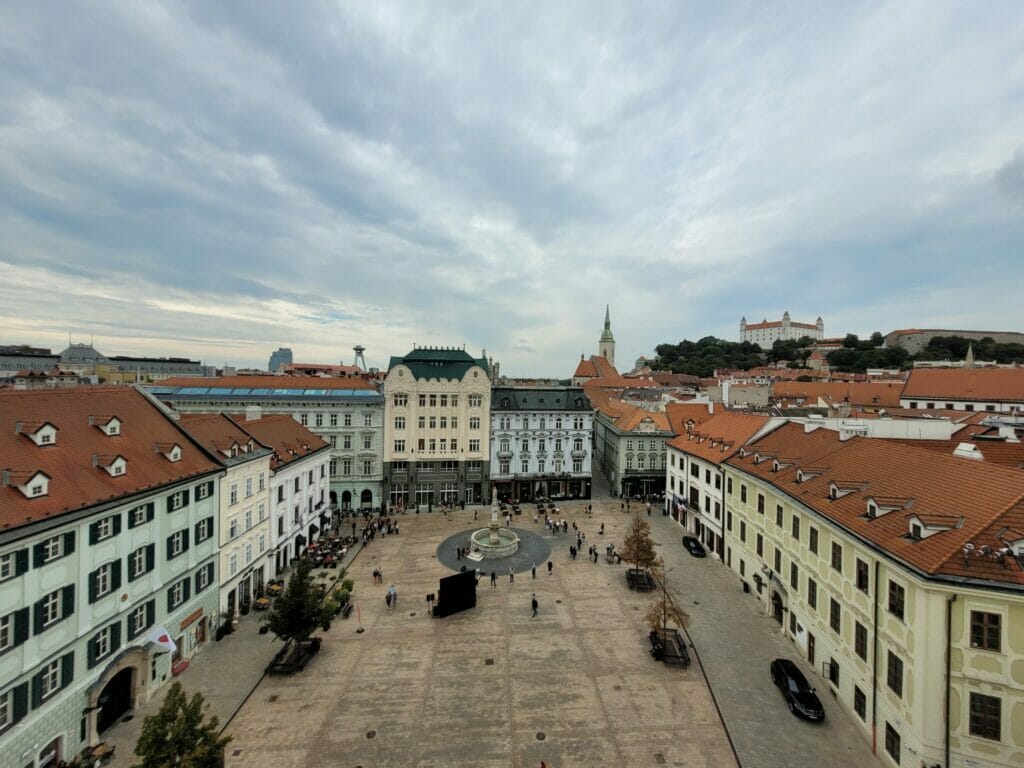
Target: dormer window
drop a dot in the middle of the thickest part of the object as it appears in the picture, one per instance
(115, 465)
(170, 451)
(872, 511)
(108, 425)
(31, 484)
(925, 525)
(39, 432)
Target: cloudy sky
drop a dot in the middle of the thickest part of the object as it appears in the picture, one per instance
(217, 179)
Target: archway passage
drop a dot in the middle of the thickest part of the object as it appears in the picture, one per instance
(777, 606)
(366, 498)
(346, 500)
(116, 699)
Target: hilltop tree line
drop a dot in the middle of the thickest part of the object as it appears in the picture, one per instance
(703, 357)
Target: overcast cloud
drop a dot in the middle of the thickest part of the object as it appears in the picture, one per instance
(217, 179)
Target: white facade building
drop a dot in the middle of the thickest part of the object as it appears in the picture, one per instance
(346, 412)
(541, 442)
(768, 332)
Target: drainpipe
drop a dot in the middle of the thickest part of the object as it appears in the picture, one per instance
(949, 661)
(874, 667)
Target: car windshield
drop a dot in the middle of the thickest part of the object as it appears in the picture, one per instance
(794, 686)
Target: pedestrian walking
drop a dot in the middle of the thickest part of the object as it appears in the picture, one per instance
(511, 575)
(534, 570)
(534, 604)
(394, 596)
(601, 532)
(550, 566)
(476, 513)
(494, 579)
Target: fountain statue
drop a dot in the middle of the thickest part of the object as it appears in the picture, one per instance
(493, 541)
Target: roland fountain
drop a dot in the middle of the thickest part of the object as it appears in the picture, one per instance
(493, 541)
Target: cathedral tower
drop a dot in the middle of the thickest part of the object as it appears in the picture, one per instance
(606, 345)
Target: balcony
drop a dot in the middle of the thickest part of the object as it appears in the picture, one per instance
(579, 454)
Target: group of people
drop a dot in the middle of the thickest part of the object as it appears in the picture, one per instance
(383, 526)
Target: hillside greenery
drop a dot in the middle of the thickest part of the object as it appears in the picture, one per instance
(701, 358)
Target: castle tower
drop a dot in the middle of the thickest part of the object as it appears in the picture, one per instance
(606, 344)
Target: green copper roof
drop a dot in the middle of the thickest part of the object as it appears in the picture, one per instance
(428, 363)
(606, 335)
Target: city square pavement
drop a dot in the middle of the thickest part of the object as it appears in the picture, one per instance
(481, 688)
(492, 686)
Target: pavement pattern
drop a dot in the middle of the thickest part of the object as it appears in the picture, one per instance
(492, 686)
(495, 687)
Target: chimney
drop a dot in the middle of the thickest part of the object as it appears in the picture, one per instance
(253, 413)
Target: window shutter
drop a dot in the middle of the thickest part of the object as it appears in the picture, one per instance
(199, 584)
(20, 626)
(94, 532)
(92, 586)
(67, 601)
(185, 496)
(115, 524)
(38, 554)
(20, 562)
(20, 697)
(170, 547)
(115, 575)
(115, 637)
(38, 617)
(170, 600)
(184, 540)
(188, 590)
(69, 542)
(67, 669)
(90, 653)
(150, 511)
(170, 503)
(150, 557)
(37, 690)
(209, 489)
(150, 613)
(196, 529)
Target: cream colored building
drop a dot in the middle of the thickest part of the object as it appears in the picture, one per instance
(436, 428)
(880, 561)
(246, 557)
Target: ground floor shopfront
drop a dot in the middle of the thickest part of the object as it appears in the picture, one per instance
(640, 486)
(410, 488)
(238, 594)
(352, 495)
(543, 487)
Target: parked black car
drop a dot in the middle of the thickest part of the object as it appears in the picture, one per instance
(798, 692)
(694, 547)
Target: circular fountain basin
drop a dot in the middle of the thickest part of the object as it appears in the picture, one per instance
(507, 543)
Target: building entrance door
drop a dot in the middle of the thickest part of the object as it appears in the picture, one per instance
(777, 607)
(115, 698)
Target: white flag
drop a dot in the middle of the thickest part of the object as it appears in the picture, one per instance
(160, 636)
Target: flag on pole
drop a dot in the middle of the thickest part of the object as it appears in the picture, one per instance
(160, 636)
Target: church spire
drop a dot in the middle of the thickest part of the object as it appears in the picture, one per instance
(606, 335)
(606, 344)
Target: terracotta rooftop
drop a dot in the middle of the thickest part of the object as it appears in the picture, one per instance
(217, 432)
(989, 384)
(289, 440)
(75, 482)
(719, 437)
(867, 394)
(586, 369)
(277, 382)
(986, 500)
(679, 414)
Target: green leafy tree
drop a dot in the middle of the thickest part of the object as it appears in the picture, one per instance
(638, 546)
(178, 737)
(701, 358)
(296, 612)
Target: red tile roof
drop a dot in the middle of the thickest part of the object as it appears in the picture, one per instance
(289, 440)
(217, 432)
(719, 437)
(586, 368)
(867, 394)
(1001, 385)
(985, 499)
(75, 482)
(679, 414)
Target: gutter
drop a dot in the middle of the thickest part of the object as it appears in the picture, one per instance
(874, 667)
(949, 680)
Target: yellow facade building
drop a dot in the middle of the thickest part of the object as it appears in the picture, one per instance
(898, 573)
